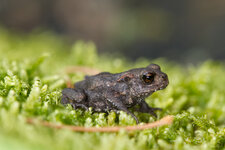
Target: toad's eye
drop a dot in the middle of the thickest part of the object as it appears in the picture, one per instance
(148, 78)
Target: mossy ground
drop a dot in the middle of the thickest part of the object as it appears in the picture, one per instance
(32, 75)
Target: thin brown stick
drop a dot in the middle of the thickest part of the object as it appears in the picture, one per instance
(81, 69)
(69, 84)
(164, 121)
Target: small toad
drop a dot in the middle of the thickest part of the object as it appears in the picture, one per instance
(117, 92)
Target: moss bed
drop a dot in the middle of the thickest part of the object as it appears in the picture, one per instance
(33, 74)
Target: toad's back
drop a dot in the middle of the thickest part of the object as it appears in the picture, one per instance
(101, 80)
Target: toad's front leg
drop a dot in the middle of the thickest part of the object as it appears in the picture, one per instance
(118, 105)
(144, 108)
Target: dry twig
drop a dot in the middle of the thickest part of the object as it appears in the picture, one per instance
(79, 69)
(164, 121)
(82, 69)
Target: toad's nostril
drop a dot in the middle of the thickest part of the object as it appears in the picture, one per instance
(164, 76)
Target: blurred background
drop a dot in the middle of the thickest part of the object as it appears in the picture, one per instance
(183, 31)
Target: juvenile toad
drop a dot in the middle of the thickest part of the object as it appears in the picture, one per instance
(118, 92)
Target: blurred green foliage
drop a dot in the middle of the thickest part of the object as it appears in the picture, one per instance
(32, 75)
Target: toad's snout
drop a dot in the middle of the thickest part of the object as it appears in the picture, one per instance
(164, 80)
(164, 77)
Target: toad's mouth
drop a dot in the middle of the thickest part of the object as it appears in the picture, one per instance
(164, 85)
(153, 89)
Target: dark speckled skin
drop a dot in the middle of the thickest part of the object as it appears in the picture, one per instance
(105, 91)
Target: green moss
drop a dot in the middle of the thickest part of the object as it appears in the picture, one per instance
(32, 75)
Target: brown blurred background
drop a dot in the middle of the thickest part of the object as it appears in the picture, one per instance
(185, 31)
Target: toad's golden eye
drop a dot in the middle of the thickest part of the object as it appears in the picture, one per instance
(148, 78)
